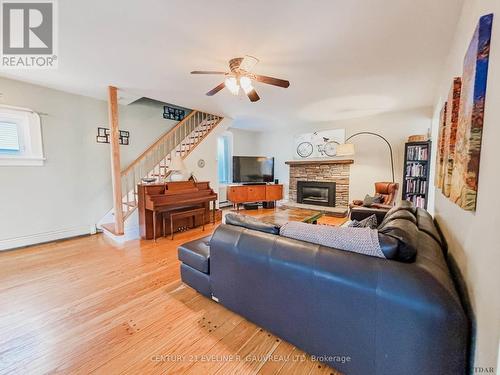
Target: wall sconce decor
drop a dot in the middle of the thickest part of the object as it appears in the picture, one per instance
(103, 135)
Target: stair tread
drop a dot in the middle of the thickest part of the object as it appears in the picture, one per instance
(110, 227)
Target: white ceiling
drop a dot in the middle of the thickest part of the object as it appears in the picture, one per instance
(344, 58)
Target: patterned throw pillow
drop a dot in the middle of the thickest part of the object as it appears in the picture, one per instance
(368, 201)
(369, 222)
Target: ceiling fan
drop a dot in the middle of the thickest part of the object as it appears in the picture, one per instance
(240, 75)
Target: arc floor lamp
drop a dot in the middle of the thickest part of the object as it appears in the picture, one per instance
(348, 148)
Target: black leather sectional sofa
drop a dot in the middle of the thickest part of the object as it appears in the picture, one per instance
(360, 314)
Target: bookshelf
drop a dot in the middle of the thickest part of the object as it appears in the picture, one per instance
(416, 173)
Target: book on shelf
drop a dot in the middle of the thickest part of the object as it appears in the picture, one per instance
(416, 186)
(418, 201)
(416, 173)
(416, 170)
(418, 153)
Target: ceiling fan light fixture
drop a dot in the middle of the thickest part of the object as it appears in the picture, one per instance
(246, 84)
(241, 75)
(232, 85)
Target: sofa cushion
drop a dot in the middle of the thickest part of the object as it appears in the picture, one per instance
(359, 240)
(250, 222)
(402, 211)
(406, 233)
(399, 214)
(196, 254)
(403, 205)
(426, 224)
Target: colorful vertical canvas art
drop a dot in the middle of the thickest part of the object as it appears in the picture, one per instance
(465, 173)
(440, 165)
(450, 135)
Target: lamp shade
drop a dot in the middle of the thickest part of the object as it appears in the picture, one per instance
(345, 149)
(177, 164)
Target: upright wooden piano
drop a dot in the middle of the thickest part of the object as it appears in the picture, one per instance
(154, 200)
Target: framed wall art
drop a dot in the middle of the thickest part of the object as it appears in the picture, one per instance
(466, 159)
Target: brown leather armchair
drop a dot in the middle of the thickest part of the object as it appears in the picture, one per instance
(388, 190)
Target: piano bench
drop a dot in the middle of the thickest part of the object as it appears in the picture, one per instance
(186, 213)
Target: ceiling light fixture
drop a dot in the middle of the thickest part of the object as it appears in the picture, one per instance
(232, 85)
(240, 75)
(246, 84)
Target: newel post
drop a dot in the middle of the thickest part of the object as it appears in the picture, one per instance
(115, 157)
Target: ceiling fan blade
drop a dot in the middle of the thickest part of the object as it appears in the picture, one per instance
(206, 72)
(271, 81)
(216, 89)
(253, 96)
(248, 63)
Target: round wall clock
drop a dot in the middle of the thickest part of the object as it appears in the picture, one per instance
(201, 163)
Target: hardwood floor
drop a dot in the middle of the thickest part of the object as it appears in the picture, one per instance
(89, 305)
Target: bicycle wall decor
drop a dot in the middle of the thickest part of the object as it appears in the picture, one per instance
(321, 144)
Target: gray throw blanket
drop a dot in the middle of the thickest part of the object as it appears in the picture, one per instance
(358, 240)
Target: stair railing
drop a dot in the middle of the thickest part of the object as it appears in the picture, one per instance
(154, 162)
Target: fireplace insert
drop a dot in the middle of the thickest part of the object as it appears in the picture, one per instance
(317, 193)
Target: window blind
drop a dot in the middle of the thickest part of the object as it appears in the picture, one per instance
(9, 137)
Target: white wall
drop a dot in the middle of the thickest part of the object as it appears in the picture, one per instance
(372, 160)
(72, 191)
(246, 142)
(144, 118)
(473, 236)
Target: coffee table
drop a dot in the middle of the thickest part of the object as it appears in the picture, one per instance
(281, 216)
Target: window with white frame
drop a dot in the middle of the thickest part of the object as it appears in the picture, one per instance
(9, 138)
(224, 158)
(20, 137)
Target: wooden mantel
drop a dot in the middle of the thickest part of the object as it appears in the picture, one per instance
(319, 162)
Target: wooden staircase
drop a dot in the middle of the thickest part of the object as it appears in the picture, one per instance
(181, 140)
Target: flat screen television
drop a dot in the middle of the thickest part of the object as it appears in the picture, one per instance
(253, 169)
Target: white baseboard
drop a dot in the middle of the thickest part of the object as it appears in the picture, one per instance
(33, 239)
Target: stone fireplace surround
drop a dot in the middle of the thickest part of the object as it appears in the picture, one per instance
(322, 171)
